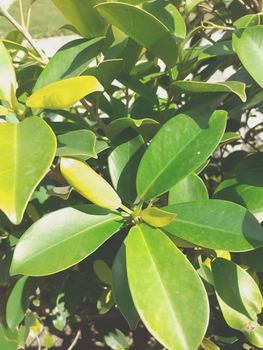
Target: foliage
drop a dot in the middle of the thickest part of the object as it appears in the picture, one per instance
(131, 177)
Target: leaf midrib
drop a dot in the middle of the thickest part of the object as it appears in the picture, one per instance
(206, 226)
(180, 333)
(69, 238)
(168, 164)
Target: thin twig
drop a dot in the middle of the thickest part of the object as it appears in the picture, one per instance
(24, 32)
(76, 339)
(93, 112)
(22, 17)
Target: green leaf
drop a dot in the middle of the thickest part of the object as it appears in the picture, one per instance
(191, 4)
(103, 272)
(170, 157)
(18, 301)
(8, 339)
(247, 21)
(134, 21)
(29, 142)
(190, 189)
(70, 60)
(253, 259)
(106, 71)
(241, 193)
(89, 184)
(164, 287)
(80, 143)
(168, 15)
(157, 217)
(121, 290)
(216, 224)
(83, 16)
(241, 302)
(69, 236)
(143, 126)
(235, 87)
(248, 45)
(123, 165)
(140, 88)
(64, 93)
(7, 75)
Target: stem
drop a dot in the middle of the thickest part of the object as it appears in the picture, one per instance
(21, 11)
(127, 210)
(93, 112)
(28, 19)
(75, 340)
(25, 34)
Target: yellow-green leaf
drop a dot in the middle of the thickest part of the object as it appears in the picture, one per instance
(27, 151)
(89, 184)
(157, 217)
(65, 93)
(7, 75)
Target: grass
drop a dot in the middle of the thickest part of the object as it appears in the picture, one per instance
(46, 20)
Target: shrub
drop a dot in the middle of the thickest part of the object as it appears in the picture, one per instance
(131, 176)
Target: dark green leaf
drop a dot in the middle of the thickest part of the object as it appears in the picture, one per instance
(123, 164)
(134, 21)
(121, 290)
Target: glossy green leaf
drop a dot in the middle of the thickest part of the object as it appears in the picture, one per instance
(121, 290)
(241, 193)
(216, 224)
(89, 184)
(247, 21)
(235, 87)
(241, 302)
(7, 75)
(70, 60)
(164, 287)
(123, 165)
(67, 237)
(190, 189)
(143, 126)
(29, 142)
(230, 136)
(64, 93)
(80, 143)
(168, 15)
(157, 217)
(248, 45)
(83, 16)
(134, 21)
(170, 157)
(18, 301)
(106, 71)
